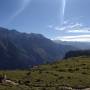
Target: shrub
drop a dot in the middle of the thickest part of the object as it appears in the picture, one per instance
(69, 77)
(62, 70)
(84, 72)
(61, 77)
(70, 70)
(76, 69)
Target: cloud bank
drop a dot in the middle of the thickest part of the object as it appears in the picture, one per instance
(74, 28)
(71, 28)
(74, 32)
(78, 38)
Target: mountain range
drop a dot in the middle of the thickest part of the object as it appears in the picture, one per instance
(77, 53)
(79, 45)
(22, 50)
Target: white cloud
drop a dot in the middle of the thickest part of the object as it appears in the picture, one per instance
(70, 26)
(50, 26)
(85, 30)
(65, 22)
(78, 38)
(80, 32)
(73, 28)
(25, 3)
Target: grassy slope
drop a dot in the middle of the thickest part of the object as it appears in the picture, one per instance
(74, 72)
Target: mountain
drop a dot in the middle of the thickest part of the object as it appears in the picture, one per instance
(79, 45)
(22, 50)
(77, 53)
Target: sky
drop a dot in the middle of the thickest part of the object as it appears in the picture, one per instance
(66, 20)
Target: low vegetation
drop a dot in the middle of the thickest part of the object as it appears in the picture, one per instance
(73, 73)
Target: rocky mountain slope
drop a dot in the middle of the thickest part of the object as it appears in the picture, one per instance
(21, 50)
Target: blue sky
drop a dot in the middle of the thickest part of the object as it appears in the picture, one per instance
(67, 20)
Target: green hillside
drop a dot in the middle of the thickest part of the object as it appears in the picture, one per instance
(62, 75)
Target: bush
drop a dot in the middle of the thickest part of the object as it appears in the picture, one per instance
(76, 69)
(70, 70)
(62, 70)
(61, 77)
(84, 72)
(69, 77)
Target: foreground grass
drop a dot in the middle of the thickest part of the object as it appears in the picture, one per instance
(73, 72)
